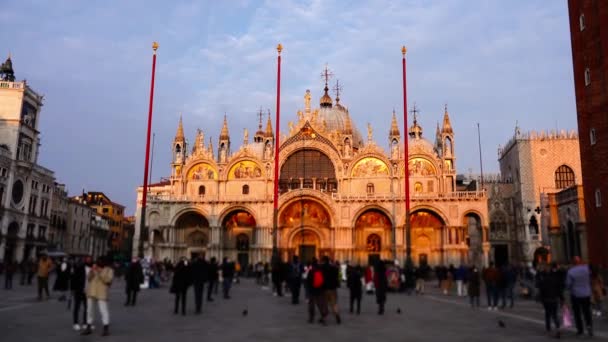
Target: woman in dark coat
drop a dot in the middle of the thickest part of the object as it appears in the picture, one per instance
(474, 285)
(355, 286)
(62, 282)
(179, 285)
(381, 284)
(134, 277)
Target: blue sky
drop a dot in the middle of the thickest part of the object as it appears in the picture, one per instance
(492, 62)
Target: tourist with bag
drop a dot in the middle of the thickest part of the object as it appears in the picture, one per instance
(314, 283)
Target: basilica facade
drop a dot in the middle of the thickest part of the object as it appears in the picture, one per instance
(340, 194)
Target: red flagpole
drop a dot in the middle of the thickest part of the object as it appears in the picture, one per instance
(145, 189)
(408, 249)
(275, 200)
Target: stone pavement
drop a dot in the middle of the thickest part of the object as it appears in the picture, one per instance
(432, 317)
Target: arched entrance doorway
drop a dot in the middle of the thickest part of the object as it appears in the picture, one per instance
(304, 227)
(305, 243)
(427, 237)
(238, 227)
(373, 236)
(192, 232)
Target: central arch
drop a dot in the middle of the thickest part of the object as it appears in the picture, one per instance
(305, 228)
(372, 237)
(192, 232)
(427, 228)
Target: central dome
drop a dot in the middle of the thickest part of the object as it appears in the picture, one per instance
(335, 119)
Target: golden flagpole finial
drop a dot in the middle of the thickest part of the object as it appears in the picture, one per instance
(279, 48)
(403, 50)
(154, 46)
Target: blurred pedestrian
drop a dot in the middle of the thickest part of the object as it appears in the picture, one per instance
(228, 270)
(578, 282)
(295, 279)
(200, 272)
(381, 285)
(354, 282)
(212, 277)
(44, 269)
(474, 286)
(179, 286)
(10, 267)
(550, 287)
(62, 281)
(134, 277)
(78, 280)
(598, 290)
(99, 279)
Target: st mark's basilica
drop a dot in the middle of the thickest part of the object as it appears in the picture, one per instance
(340, 194)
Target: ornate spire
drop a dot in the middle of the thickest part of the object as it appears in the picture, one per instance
(394, 127)
(224, 133)
(259, 135)
(348, 125)
(447, 126)
(269, 133)
(415, 130)
(199, 143)
(180, 130)
(210, 146)
(326, 101)
(337, 89)
(6, 70)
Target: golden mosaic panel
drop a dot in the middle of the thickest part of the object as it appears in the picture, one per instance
(370, 166)
(245, 170)
(421, 167)
(202, 171)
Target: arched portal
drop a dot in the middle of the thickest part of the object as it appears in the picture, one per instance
(427, 235)
(192, 231)
(306, 244)
(305, 216)
(237, 231)
(237, 222)
(373, 236)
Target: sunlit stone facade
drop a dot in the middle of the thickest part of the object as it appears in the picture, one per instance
(340, 194)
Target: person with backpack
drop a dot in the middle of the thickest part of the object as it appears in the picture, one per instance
(314, 283)
(295, 280)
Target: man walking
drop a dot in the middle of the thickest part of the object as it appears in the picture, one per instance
(44, 268)
(78, 280)
(578, 282)
(295, 280)
(99, 280)
(134, 277)
(212, 277)
(199, 277)
(9, 270)
(331, 276)
(228, 275)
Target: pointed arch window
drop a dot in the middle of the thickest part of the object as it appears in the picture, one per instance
(564, 177)
(178, 148)
(201, 190)
(245, 189)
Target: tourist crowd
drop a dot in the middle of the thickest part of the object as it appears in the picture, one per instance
(84, 283)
